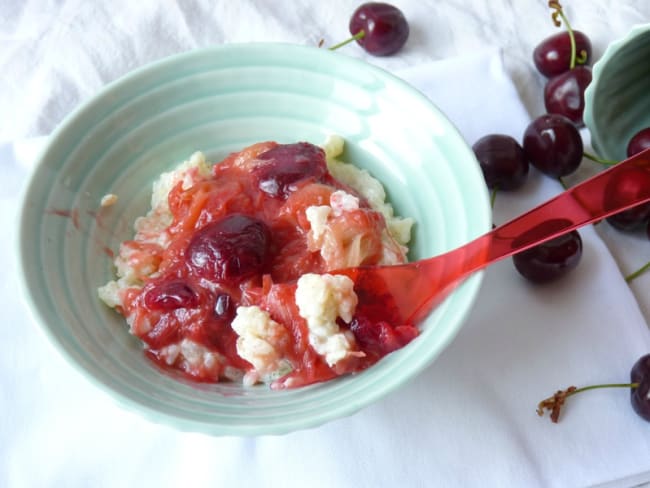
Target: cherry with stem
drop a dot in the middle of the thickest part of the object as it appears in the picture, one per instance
(559, 17)
(554, 403)
(553, 56)
(379, 28)
(564, 93)
(639, 387)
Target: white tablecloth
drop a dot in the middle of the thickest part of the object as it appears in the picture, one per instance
(469, 419)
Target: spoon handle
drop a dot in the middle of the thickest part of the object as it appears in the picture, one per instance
(624, 185)
(414, 289)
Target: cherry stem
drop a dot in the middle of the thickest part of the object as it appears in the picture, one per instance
(563, 183)
(554, 403)
(638, 272)
(606, 162)
(493, 196)
(556, 16)
(356, 37)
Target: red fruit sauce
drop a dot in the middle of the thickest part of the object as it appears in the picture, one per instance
(239, 238)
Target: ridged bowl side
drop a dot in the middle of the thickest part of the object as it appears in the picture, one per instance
(617, 101)
(219, 100)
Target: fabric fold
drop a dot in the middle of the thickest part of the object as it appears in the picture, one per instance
(467, 420)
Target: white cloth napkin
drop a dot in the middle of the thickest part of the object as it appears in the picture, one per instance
(468, 420)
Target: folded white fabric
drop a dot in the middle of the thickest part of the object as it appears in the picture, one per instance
(468, 420)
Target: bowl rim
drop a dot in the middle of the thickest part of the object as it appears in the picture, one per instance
(417, 365)
(590, 118)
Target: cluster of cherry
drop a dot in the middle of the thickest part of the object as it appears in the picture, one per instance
(551, 143)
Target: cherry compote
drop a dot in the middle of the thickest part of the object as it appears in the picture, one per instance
(239, 236)
(502, 161)
(380, 28)
(552, 144)
(550, 260)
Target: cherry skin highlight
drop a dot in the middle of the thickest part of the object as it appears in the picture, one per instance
(564, 94)
(224, 307)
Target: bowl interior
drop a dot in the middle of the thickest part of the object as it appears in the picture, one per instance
(219, 100)
(617, 101)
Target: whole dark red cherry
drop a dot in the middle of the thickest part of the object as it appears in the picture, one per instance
(287, 164)
(639, 142)
(231, 249)
(553, 55)
(385, 28)
(170, 295)
(640, 396)
(629, 184)
(552, 144)
(550, 260)
(564, 94)
(502, 161)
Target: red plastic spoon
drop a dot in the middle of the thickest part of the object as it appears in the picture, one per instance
(407, 293)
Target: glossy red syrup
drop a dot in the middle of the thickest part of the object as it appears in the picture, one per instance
(239, 237)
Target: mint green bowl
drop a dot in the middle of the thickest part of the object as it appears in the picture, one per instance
(219, 100)
(617, 101)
